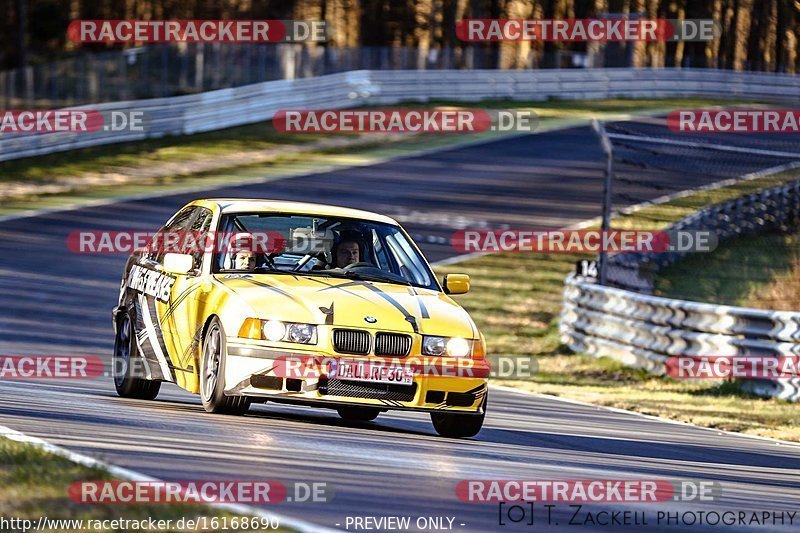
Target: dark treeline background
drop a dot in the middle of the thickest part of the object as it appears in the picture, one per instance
(757, 34)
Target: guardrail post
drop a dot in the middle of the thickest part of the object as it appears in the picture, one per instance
(609, 174)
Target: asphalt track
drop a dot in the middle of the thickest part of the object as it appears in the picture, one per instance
(56, 302)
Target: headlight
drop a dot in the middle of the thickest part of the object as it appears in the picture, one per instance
(434, 345)
(458, 347)
(302, 333)
(275, 330)
(441, 346)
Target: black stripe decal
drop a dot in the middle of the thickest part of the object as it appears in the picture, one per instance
(178, 301)
(271, 287)
(348, 284)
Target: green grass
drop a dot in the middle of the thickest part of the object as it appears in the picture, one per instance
(34, 483)
(516, 297)
(761, 272)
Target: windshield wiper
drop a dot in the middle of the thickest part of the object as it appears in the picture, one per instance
(265, 269)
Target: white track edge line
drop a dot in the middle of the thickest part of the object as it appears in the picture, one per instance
(124, 473)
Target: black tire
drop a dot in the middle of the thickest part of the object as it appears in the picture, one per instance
(458, 425)
(212, 366)
(358, 414)
(125, 350)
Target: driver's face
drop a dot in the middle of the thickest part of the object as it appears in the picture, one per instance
(347, 254)
(245, 261)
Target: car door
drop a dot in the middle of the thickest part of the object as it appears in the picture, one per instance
(182, 320)
(153, 290)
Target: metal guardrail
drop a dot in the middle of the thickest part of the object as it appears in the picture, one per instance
(644, 331)
(225, 108)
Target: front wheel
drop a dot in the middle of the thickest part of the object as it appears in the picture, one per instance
(457, 425)
(212, 375)
(126, 383)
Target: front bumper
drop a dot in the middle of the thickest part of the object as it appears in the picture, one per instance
(258, 371)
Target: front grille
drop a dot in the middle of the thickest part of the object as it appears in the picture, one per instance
(393, 344)
(374, 391)
(351, 341)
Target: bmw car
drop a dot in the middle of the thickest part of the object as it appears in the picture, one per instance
(248, 301)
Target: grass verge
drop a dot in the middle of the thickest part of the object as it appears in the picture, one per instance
(761, 272)
(516, 298)
(34, 483)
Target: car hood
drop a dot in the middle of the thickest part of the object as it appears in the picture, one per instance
(350, 303)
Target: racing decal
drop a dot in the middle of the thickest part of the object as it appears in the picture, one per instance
(193, 347)
(397, 305)
(174, 305)
(423, 310)
(154, 340)
(340, 287)
(328, 312)
(150, 282)
(478, 392)
(272, 288)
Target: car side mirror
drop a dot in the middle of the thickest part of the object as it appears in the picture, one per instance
(456, 283)
(178, 263)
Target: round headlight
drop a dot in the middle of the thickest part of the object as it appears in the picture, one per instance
(434, 346)
(302, 333)
(457, 347)
(274, 330)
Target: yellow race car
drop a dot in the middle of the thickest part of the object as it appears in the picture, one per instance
(248, 301)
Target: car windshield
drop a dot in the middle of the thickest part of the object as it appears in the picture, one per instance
(320, 246)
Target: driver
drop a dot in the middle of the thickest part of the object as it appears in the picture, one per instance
(347, 253)
(244, 257)
(245, 260)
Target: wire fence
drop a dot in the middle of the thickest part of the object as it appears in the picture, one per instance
(173, 69)
(758, 260)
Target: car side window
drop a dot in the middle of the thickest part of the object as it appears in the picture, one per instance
(179, 222)
(199, 230)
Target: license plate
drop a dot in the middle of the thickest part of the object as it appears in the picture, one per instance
(374, 372)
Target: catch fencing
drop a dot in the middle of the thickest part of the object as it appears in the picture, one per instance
(643, 331)
(225, 108)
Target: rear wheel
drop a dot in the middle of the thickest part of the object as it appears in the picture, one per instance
(457, 425)
(212, 375)
(127, 384)
(359, 414)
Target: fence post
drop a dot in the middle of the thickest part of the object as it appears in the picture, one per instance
(609, 176)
